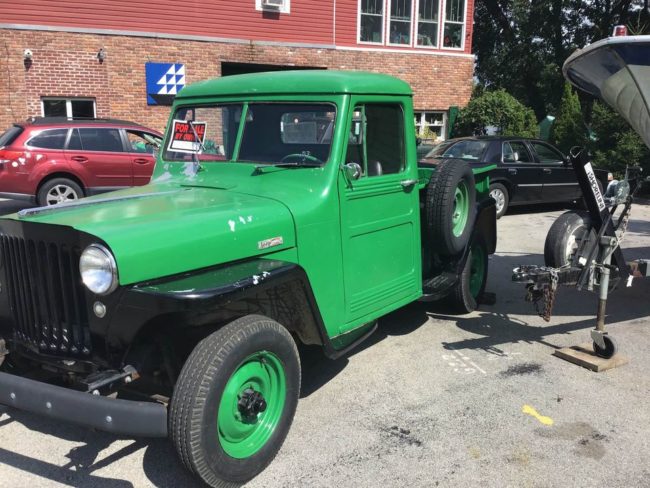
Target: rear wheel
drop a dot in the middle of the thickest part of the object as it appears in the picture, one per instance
(449, 203)
(234, 400)
(467, 292)
(58, 190)
(501, 197)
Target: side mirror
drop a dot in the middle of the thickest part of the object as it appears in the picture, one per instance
(566, 160)
(353, 171)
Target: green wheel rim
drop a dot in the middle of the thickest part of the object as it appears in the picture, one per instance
(242, 434)
(476, 270)
(461, 209)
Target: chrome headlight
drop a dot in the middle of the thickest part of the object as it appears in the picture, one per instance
(98, 269)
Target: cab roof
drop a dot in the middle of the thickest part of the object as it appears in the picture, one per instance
(299, 82)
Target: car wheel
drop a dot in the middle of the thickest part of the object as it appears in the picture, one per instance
(466, 293)
(565, 236)
(234, 400)
(449, 207)
(501, 197)
(58, 190)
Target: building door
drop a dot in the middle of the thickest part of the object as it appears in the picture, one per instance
(379, 215)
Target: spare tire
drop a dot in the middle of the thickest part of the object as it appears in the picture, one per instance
(449, 207)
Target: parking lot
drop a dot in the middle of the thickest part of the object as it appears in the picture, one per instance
(430, 400)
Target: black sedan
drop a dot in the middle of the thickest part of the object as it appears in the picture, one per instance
(528, 170)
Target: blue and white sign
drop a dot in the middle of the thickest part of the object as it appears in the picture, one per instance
(164, 81)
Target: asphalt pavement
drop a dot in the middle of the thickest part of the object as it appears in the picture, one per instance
(430, 400)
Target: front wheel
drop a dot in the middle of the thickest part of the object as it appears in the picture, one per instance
(465, 295)
(234, 400)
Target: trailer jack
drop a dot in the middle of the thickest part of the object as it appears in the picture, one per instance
(598, 262)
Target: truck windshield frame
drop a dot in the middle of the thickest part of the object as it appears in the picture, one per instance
(271, 133)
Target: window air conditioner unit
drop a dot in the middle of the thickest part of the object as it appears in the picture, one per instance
(274, 4)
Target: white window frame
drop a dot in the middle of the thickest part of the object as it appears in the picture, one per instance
(68, 104)
(383, 26)
(389, 5)
(416, 20)
(422, 123)
(285, 9)
(444, 22)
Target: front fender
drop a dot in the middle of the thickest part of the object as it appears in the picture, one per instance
(200, 301)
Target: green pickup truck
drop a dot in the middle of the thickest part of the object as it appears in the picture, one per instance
(285, 208)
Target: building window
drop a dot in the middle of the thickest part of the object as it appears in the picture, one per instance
(427, 33)
(400, 22)
(454, 24)
(371, 21)
(431, 126)
(72, 108)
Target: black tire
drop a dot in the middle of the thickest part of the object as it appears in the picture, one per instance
(610, 348)
(501, 196)
(462, 299)
(199, 390)
(440, 206)
(564, 237)
(64, 186)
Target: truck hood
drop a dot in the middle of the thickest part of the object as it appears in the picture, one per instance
(161, 230)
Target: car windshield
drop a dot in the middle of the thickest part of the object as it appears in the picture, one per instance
(465, 149)
(273, 133)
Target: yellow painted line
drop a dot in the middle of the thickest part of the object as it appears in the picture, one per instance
(533, 413)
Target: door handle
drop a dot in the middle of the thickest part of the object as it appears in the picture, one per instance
(547, 170)
(512, 171)
(79, 159)
(141, 161)
(408, 183)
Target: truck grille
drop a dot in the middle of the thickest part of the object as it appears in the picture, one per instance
(46, 295)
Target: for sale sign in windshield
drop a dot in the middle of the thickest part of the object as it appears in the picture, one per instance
(187, 136)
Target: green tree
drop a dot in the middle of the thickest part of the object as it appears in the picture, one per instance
(569, 127)
(520, 46)
(615, 144)
(497, 109)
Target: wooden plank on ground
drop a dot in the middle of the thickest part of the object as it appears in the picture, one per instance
(583, 355)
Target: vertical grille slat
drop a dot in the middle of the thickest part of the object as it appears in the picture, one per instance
(46, 295)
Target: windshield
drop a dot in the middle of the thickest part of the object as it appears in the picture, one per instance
(273, 133)
(465, 149)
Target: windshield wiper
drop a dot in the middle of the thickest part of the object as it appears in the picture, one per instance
(293, 164)
(196, 165)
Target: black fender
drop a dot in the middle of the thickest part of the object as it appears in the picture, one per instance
(192, 305)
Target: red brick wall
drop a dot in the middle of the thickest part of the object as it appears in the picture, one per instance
(66, 64)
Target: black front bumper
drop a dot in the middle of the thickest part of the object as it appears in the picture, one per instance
(127, 417)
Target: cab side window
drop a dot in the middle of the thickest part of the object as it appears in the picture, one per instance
(377, 141)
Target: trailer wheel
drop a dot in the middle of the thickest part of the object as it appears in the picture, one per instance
(466, 293)
(449, 207)
(610, 348)
(565, 236)
(234, 400)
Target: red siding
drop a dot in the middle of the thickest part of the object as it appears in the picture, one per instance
(309, 21)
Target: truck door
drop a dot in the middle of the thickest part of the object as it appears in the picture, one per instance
(379, 213)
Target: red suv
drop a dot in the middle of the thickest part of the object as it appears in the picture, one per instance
(52, 160)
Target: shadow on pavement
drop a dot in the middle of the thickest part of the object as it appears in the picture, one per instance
(160, 462)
